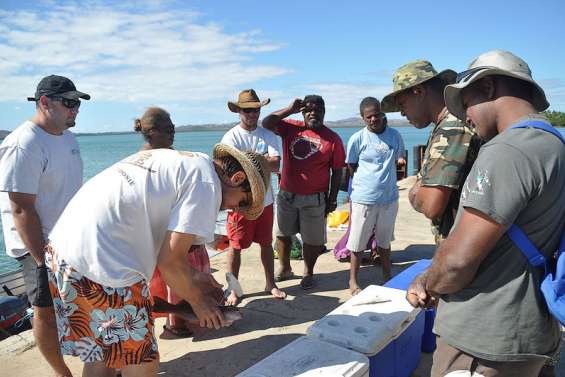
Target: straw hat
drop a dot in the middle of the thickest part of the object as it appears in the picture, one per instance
(247, 99)
(410, 75)
(496, 62)
(258, 172)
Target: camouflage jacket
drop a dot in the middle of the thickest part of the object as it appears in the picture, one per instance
(451, 150)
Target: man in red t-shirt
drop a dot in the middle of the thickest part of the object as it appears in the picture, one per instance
(313, 156)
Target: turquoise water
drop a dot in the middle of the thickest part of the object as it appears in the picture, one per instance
(99, 152)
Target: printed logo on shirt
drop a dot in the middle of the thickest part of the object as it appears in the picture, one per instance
(303, 147)
(480, 183)
(381, 148)
(139, 160)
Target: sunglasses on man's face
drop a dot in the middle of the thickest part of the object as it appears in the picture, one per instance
(251, 111)
(68, 103)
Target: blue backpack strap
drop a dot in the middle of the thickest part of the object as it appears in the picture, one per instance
(517, 235)
(540, 125)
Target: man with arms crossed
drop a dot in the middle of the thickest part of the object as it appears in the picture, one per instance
(313, 156)
(40, 171)
(492, 319)
(451, 148)
(246, 137)
(372, 155)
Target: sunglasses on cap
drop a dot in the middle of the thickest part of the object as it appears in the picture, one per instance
(465, 75)
(251, 110)
(68, 103)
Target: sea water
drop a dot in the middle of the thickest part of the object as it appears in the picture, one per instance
(101, 151)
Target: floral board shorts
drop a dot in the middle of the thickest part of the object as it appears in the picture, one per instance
(99, 323)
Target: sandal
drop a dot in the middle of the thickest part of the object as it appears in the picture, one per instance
(177, 332)
(307, 282)
(284, 276)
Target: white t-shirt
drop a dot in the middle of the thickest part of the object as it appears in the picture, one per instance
(33, 161)
(112, 230)
(260, 140)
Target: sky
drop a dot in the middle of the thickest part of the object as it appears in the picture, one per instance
(191, 57)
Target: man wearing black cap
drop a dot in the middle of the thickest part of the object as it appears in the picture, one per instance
(313, 156)
(40, 171)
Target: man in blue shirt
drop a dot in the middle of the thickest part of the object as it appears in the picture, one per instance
(372, 155)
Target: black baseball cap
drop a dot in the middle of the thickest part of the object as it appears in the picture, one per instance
(57, 85)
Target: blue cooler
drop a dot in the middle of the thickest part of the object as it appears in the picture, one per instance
(379, 323)
(402, 281)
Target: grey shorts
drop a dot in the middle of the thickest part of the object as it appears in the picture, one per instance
(304, 214)
(36, 281)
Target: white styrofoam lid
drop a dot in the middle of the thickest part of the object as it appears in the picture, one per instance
(367, 322)
(307, 357)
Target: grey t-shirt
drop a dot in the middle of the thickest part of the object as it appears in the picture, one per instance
(518, 177)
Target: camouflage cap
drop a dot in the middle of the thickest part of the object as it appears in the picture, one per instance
(410, 75)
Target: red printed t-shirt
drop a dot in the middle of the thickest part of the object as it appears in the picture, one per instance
(308, 156)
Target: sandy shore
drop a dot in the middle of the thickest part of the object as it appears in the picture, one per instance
(268, 324)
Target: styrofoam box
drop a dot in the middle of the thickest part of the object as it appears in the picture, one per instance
(307, 357)
(389, 332)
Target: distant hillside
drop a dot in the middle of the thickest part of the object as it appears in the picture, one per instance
(354, 122)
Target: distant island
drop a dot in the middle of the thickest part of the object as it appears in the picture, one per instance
(354, 122)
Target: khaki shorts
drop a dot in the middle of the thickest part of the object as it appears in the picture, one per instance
(451, 362)
(371, 219)
(304, 214)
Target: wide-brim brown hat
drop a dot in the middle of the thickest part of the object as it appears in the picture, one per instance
(258, 172)
(247, 99)
(496, 62)
(410, 75)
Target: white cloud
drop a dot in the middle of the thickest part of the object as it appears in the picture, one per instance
(117, 53)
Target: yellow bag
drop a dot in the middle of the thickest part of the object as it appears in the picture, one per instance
(336, 218)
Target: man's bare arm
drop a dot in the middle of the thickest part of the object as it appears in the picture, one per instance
(28, 224)
(199, 289)
(274, 163)
(271, 121)
(429, 200)
(458, 258)
(331, 202)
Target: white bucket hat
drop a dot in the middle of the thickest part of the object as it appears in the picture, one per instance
(495, 62)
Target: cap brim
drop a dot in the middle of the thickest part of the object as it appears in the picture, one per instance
(388, 103)
(75, 94)
(454, 102)
(234, 107)
(258, 187)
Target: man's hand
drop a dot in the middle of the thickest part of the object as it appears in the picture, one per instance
(417, 295)
(330, 206)
(295, 106)
(401, 161)
(207, 295)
